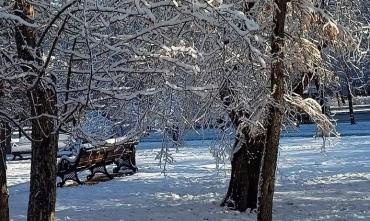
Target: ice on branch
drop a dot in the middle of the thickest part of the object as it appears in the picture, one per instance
(313, 109)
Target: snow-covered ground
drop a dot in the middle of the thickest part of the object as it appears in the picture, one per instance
(312, 185)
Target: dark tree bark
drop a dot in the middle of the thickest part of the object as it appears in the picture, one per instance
(245, 163)
(42, 100)
(245, 166)
(41, 205)
(338, 99)
(4, 194)
(8, 138)
(270, 153)
(350, 101)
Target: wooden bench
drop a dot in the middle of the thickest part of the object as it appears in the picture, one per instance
(96, 161)
(22, 146)
(18, 150)
(18, 155)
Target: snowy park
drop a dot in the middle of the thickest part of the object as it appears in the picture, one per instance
(312, 184)
(135, 110)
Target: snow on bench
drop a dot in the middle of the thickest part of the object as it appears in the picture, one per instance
(96, 160)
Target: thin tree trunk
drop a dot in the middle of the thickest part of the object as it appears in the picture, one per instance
(42, 100)
(4, 195)
(338, 99)
(270, 153)
(245, 163)
(350, 101)
(342, 98)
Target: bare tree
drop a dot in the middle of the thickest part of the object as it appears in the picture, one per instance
(82, 54)
(162, 64)
(42, 100)
(270, 152)
(349, 62)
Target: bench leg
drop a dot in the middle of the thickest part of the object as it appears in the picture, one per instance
(69, 176)
(91, 175)
(61, 183)
(77, 179)
(106, 172)
(100, 169)
(133, 166)
(125, 163)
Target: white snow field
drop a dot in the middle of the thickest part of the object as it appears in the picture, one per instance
(311, 185)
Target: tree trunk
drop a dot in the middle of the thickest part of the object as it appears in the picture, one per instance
(350, 101)
(270, 153)
(8, 139)
(245, 166)
(41, 205)
(4, 195)
(245, 163)
(338, 99)
(42, 100)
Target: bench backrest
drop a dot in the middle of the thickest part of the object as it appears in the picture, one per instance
(91, 157)
(114, 153)
(104, 155)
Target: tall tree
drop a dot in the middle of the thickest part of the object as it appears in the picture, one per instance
(270, 152)
(247, 149)
(350, 63)
(4, 149)
(42, 100)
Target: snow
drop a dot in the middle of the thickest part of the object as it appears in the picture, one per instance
(18, 19)
(312, 184)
